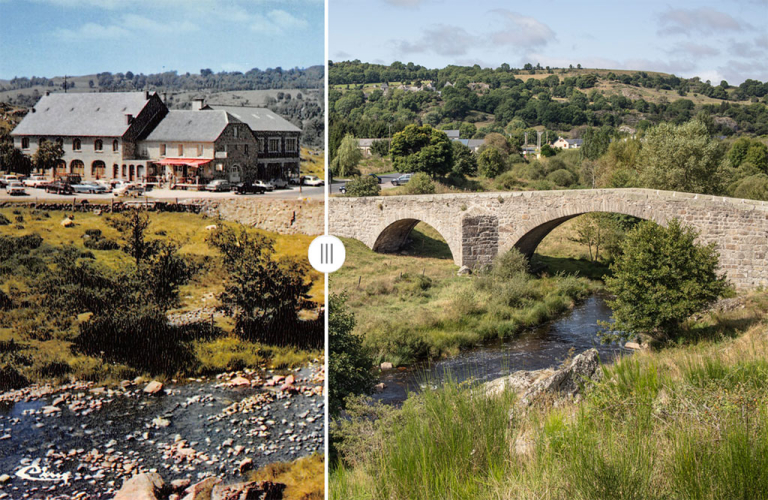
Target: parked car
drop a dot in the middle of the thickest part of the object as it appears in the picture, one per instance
(35, 181)
(279, 183)
(268, 186)
(343, 189)
(403, 179)
(90, 187)
(15, 188)
(218, 185)
(313, 180)
(128, 190)
(59, 187)
(8, 178)
(248, 188)
(296, 180)
(378, 179)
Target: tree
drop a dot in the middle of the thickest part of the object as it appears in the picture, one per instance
(48, 155)
(464, 161)
(596, 231)
(363, 186)
(347, 157)
(132, 227)
(682, 158)
(662, 277)
(14, 160)
(422, 149)
(349, 365)
(420, 183)
(491, 162)
(260, 292)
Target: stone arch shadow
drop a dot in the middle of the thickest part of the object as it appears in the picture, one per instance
(527, 238)
(393, 236)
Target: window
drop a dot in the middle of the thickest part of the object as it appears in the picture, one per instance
(115, 146)
(290, 145)
(236, 131)
(260, 142)
(162, 149)
(76, 145)
(274, 145)
(181, 149)
(98, 145)
(245, 149)
(25, 143)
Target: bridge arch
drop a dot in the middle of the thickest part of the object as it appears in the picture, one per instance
(394, 235)
(526, 237)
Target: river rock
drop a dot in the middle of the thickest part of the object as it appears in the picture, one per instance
(153, 387)
(464, 271)
(239, 382)
(245, 465)
(386, 366)
(566, 381)
(146, 486)
(256, 490)
(181, 484)
(5, 478)
(380, 387)
(201, 490)
(635, 346)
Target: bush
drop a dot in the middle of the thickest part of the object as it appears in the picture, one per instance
(754, 187)
(661, 277)
(509, 264)
(4, 220)
(101, 244)
(507, 181)
(561, 177)
(531, 171)
(363, 186)
(420, 183)
(491, 162)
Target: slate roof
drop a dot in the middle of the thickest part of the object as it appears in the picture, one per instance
(452, 134)
(191, 126)
(259, 119)
(96, 114)
(577, 142)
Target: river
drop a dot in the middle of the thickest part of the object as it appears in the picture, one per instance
(80, 441)
(545, 346)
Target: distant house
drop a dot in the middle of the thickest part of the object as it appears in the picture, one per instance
(567, 143)
(531, 151)
(364, 145)
(472, 144)
(99, 132)
(452, 134)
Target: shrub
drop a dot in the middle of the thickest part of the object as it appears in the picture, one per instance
(561, 177)
(93, 233)
(531, 171)
(4, 220)
(420, 183)
(661, 277)
(509, 264)
(491, 162)
(101, 244)
(508, 181)
(363, 186)
(754, 187)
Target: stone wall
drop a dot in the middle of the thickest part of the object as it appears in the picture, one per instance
(739, 228)
(279, 216)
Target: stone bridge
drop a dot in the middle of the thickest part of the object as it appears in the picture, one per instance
(478, 226)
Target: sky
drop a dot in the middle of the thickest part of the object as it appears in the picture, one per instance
(714, 40)
(79, 37)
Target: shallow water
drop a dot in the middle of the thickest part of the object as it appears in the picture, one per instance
(122, 429)
(542, 347)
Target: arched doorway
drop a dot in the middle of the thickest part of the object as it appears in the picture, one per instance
(131, 172)
(77, 167)
(98, 169)
(60, 169)
(235, 173)
(115, 171)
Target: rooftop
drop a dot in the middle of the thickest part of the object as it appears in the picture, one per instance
(189, 126)
(259, 119)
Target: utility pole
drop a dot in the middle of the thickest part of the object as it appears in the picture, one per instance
(65, 84)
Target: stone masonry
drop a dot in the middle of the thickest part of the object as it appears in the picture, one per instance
(477, 226)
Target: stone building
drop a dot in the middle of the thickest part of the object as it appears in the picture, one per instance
(133, 136)
(99, 132)
(278, 140)
(189, 147)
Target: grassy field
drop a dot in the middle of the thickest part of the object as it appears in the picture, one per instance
(55, 349)
(686, 422)
(304, 478)
(312, 162)
(414, 306)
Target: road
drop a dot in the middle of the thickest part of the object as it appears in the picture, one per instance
(386, 182)
(35, 194)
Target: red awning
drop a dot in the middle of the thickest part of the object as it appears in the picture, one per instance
(192, 162)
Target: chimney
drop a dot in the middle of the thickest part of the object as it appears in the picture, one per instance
(128, 118)
(146, 94)
(47, 92)
(165, 97)
(197, 104)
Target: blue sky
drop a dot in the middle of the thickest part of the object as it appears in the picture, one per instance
(54, 37)
(714, 40)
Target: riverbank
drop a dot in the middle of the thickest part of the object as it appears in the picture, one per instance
(413, 306)
(688, 421)
(83, 441)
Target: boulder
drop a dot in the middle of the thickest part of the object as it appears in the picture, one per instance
(245, 465)
(148, 486)
(632, 345)
(201, 490)
(153, 387)
(180, 484)
(254, 490)
(566, 381)
(68, 222)
(239, 382)
(464, 271)
(380, 387)
(386, 366)
(290, 380)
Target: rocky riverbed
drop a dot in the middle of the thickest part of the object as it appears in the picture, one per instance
(80, 441)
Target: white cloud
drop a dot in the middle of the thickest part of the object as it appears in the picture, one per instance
(695, 49)
(443, 40)
(144, 24)
(286, 20)
(92, 31)
(521, 31)
(703, 20)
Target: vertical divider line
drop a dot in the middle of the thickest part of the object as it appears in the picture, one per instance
(327, 191)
